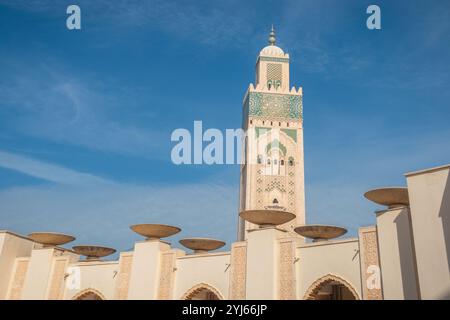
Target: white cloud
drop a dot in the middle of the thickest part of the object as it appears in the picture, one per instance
(49, 172)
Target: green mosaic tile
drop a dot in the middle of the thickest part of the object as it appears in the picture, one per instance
(274, 106)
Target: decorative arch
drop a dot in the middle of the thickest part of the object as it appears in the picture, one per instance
(200, 287)
(276, 144)
(315, 287)
(82, 295)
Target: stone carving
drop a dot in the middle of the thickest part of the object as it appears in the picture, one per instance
(291, 189)
(238, 271)
(277, 182)
(18, 279)
(286, 278)
(273, 59)
(56, 288)
(92, 294)
(200, 287)
(369, 256)
(274, 106)
(322, 281)
(274, 73)
(123, 277)
(167, 275)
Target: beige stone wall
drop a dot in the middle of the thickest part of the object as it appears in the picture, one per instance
(38, 274)
(320, 260)
(167, 275)
(145, 270)
(55, 290)
(263, 263)
(399, 275)
(238, 270)
(212, 269)
(370, 263)
(429, 194)
(100, 276)
(123, 277)
(18, 275)
(286, 269)
(12, 246)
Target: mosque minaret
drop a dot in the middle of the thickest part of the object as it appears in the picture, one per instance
(272, 176)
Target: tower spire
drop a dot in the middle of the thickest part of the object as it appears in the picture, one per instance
(272, 36)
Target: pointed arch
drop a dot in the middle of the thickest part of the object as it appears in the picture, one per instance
(89, 294)
(317, 285)
(199, 288)
(276, 144)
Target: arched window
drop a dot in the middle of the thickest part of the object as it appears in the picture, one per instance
(331, 287)
(275, 201)
(268, 161)
(259, 159)
(277, 84)
(89, 294)
(202, 291)
(291, 161)
(282, 162)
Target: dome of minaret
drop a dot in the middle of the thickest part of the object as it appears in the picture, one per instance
(271, 49)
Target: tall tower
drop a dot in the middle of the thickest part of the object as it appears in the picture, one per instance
(272, 176)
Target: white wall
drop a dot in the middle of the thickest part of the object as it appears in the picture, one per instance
(398, 271)
(11, 247)
(211, 269)
(429, 194)
(339, 258)
(101, 276)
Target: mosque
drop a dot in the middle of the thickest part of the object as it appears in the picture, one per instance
(405, 255)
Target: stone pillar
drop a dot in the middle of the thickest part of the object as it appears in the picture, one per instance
(262, 263)
(429, 196)
(370, 264)
(144, 278)
(123, 276)
(398, 269)
(167, 273)
(238, 270)
(286, 269)
(38, 273)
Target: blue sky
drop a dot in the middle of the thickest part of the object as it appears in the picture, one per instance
(86, 116)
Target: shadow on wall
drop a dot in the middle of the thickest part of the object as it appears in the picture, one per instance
(444, 214)
(406, 255)
(445, 296)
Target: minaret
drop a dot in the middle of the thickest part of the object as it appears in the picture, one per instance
(272, 176)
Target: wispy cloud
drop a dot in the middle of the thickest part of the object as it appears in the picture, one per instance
(53, 103)
(49, 172)
(100, 211)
